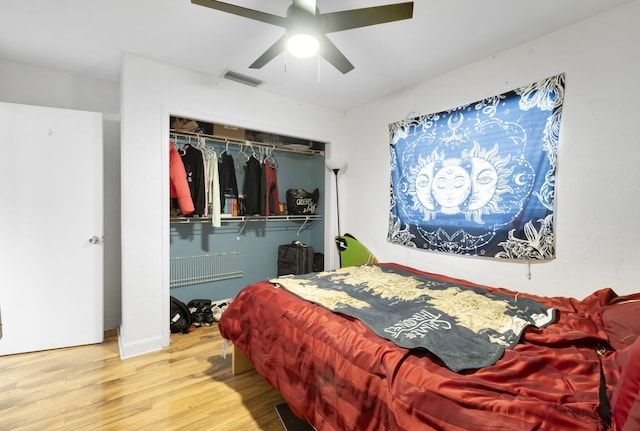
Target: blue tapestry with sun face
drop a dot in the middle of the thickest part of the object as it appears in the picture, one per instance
(479, 179)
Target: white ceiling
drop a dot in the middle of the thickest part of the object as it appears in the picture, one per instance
(88, 37)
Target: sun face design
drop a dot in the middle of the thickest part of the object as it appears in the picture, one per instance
(471, 184)
(490, 179)
(419, 183)
(451, 186)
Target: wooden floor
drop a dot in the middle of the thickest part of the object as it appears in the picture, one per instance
(187, 386)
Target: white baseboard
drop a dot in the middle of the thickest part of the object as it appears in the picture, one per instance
(138, 348)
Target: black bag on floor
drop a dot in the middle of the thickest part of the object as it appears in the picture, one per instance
(295, 258)
(180, 316)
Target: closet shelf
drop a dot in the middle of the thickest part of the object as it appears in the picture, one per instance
(250, 218)
(186, 137)
(305, 219)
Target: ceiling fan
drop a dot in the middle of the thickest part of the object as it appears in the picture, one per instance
(305, 20)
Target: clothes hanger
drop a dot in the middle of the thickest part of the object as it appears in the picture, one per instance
(226, 149)
(208, 151)
(253, 153)
(271, 158)
(243, 149)
(182, 150)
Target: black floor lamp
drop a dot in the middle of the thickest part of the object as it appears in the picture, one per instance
(335, 173)
(336, 167)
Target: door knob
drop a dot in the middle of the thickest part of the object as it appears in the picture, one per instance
(94, 240)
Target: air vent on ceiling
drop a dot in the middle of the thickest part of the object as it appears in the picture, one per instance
(243, 79)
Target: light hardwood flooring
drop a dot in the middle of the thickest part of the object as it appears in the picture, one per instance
(186, 386)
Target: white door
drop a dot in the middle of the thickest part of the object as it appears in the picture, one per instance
(51, 254)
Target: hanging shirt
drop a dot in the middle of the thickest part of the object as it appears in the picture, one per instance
(213, 181)
(227, 173)
(252, 186)
(194, 166)
(270, 203)
(178, 184)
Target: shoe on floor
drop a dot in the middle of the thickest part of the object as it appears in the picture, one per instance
(216, 313)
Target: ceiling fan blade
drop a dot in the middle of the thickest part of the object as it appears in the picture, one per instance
(348, 19)
(306, 5)
(332, 54)
(274, 50)
(243, 11)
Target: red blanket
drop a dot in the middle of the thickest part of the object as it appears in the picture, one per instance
(338, 375)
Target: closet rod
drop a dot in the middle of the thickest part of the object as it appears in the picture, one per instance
(222, 140)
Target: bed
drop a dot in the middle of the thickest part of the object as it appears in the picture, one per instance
(580, 371)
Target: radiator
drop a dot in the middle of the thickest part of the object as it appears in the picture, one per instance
(189, 270)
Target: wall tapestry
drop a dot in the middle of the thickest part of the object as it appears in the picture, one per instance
(479, 179)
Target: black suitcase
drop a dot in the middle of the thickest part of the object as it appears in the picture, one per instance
(295, 258)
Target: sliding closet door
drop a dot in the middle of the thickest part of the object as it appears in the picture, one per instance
(51, 254)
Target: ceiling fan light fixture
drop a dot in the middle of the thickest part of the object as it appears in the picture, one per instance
(307, 28)
(302, 45)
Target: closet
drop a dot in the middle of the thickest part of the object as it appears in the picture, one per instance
(214, 257)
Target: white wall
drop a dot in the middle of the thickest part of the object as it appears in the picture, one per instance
(30, 85)
(150, 92)
(599, 158)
